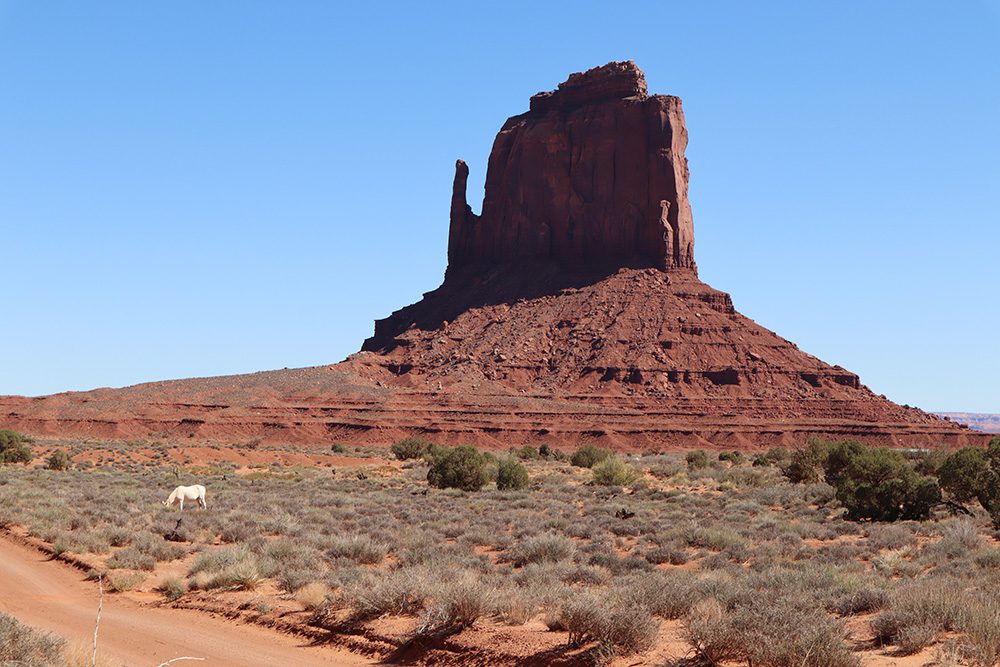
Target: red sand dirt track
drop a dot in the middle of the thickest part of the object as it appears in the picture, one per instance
(52, 596)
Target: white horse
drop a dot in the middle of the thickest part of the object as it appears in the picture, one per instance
(182, 493)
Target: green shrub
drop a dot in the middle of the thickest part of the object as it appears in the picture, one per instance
(880, 484)
(242, 576)
(58, 460)
(736, 458)
(587, 455)
(14, 447)
(511, 475)
(777, 455)
(527, 453)
(697, 459)
(545, 451)
(459, 468)
(871, 483)
(410, 448)
(338, 448)
(614, 472)
(963, 473)
(805, 465)
(974, 473)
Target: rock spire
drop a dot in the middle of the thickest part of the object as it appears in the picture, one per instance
(594, 174)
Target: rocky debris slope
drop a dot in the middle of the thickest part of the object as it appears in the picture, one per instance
(571, 311)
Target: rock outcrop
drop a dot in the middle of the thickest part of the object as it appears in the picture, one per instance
(594, 174)
(571, 311)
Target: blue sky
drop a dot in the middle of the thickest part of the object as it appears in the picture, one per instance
(191, 188)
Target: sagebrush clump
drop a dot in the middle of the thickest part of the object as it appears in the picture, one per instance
(459, 468)
(22, 645)
(14, 447)
(587, 455)
(410, 448)
(511, 475)
(614, 472)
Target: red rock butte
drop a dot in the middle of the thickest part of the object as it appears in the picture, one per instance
(571, 312)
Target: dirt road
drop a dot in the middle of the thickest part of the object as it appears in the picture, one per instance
(52, 596)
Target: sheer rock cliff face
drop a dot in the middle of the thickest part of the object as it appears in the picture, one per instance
(571, 311)
(594, 174)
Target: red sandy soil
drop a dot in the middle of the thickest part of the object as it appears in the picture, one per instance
(50, 596)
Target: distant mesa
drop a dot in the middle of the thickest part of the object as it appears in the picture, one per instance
(571, 311)
(979, 421)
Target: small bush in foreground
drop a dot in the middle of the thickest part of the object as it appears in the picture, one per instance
(21, 645)
(758, 634)
(14, 447)
(709, 631)
(614, 472)
(588, 455)
(459, 468)
(918, 614)
(172, 588)
(458, 606)
(617, 627)
(312, 596)
(396, 593)
(511, 475)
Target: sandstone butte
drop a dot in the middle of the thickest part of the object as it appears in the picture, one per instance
(571, 311)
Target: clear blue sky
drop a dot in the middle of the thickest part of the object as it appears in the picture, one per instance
(199, 188)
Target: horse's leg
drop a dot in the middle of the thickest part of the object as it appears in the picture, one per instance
(182, 503)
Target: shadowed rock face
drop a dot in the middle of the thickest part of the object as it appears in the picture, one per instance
(594, 174)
